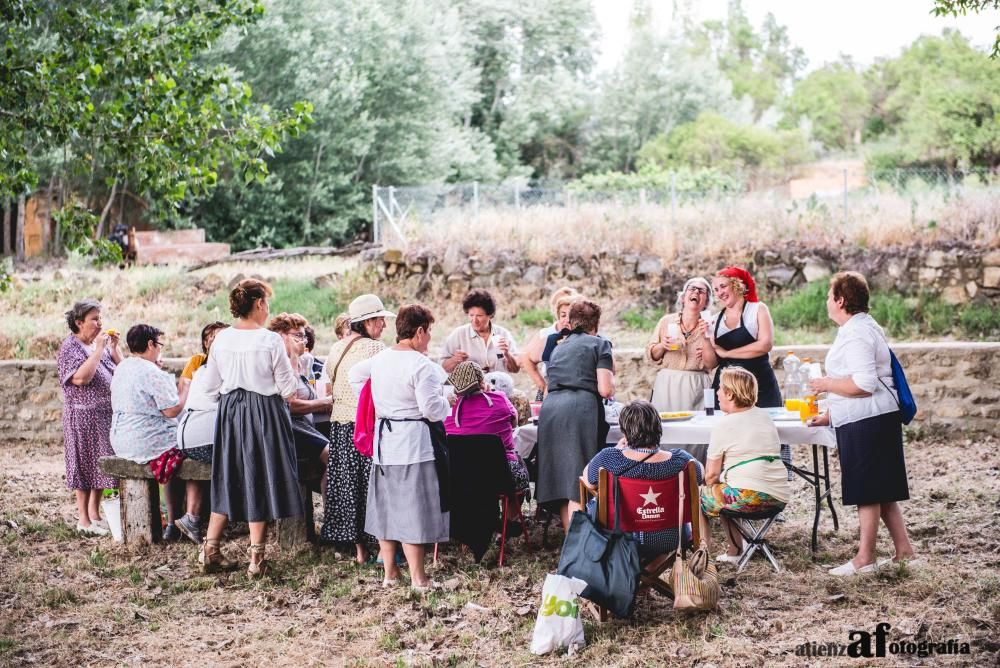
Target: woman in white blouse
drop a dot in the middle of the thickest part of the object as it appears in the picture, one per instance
(254, 467)
(864, 410)
(407, 491)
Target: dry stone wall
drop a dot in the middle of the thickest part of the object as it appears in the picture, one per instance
(958, 273)
(954, 383)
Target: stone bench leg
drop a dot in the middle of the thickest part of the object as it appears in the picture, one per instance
(294, 532)
(140, 500)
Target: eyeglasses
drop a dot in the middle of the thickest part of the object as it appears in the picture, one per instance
(297, 335)
(158, 344)
(700, 291)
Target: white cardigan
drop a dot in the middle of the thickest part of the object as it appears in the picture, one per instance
(861, 353)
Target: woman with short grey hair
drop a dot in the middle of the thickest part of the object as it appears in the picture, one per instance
(86, 363)
(638, 456)
(682, 355)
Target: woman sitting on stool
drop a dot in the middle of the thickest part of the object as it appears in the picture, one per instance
(744, 471)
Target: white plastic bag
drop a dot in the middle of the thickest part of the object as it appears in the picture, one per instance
(113, 514)
(558, 623)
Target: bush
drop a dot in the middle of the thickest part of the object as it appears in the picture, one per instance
(641, 319)
(537, 318)
(712, 141)
(320, 306)
(804, 308)
(901, 317)
(684, 181)
(979, 321)
(938, 317)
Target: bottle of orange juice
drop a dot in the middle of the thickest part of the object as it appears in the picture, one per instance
(810, 371)
(793, 388)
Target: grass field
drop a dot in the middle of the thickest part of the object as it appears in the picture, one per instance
(68, 600)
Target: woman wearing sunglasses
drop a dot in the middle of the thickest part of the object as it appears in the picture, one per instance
(310, 444)
(145, 399)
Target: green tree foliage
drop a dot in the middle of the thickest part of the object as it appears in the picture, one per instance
(760, 64)
(77, 226)
(683, 180)
(391, 83)
(712, 141)
(658, 85)
(835, 101)
(114, 86)
(534, 59)
(964, 7)
(938, 103)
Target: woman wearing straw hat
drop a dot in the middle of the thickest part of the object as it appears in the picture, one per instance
(347, 470)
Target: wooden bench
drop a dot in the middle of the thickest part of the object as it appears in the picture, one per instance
(140, 500)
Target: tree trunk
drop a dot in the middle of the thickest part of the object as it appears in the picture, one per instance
(57, 247)
(7, 250)
(47, 230)
(306, 224)
(99, 232)
(19, 233)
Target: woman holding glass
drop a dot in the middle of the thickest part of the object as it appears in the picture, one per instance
(677, 349)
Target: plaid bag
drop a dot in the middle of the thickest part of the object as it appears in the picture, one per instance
(696, 581)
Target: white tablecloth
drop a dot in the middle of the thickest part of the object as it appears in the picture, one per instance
(697, 430)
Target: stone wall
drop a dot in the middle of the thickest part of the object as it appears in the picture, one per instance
(954, 384)
(958, 273)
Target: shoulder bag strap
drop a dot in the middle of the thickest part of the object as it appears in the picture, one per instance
(333, 378)
(892, 359)
(680, 513)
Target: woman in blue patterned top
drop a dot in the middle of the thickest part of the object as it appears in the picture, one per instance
(640, 424)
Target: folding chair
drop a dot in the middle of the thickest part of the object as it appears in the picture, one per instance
(480, 477)
(753, 527)
(648, 505)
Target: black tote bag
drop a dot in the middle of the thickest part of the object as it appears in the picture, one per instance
(608, 561)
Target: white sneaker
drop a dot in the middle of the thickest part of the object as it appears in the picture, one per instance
(726, 558)
(849, 569)
(93, 530)
(433, 584)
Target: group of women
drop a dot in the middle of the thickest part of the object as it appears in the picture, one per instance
(249, 404)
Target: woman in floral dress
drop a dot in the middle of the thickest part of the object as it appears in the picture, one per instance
(86, 362)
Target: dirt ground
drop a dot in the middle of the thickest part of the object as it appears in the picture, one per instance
(69, 600)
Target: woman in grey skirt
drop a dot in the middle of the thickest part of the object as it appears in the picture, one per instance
(254, 467)
(571, 424)
(407, 491)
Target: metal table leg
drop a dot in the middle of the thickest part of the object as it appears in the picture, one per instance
(826, 483)
(819, 480)
(819, 497)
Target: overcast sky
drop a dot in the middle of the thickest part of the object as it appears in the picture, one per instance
(863, 29)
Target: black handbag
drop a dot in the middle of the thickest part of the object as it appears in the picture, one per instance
(607, 560)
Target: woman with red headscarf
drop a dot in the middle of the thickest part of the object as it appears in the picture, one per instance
(743, 334)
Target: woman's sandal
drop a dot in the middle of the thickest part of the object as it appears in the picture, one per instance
(211, 559)
(257, 568)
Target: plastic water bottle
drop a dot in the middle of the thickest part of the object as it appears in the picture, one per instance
(794, 387)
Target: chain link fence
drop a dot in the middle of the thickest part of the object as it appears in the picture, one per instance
(398, 212)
